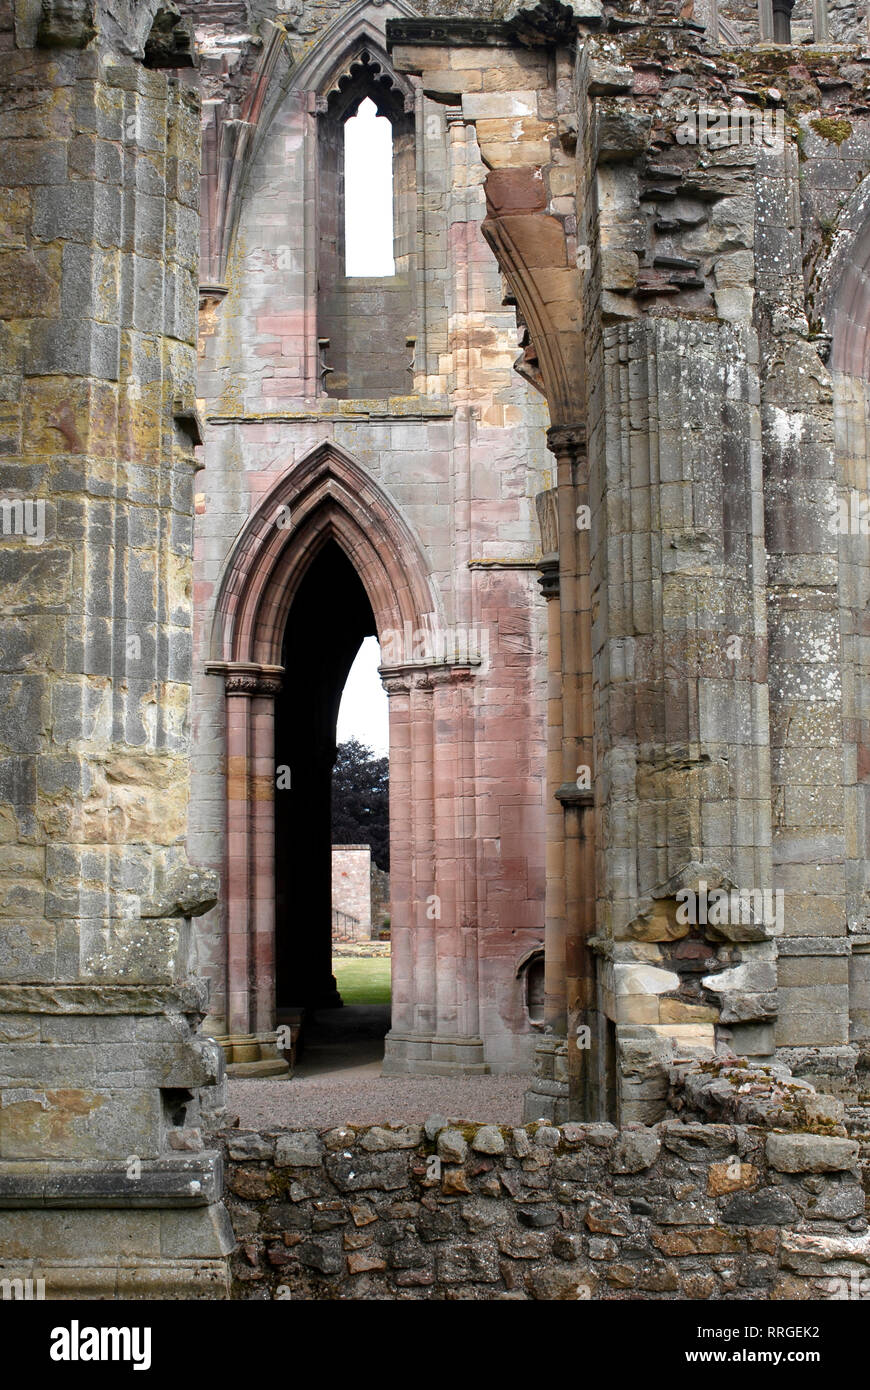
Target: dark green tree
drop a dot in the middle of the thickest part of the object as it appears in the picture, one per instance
(360, 800)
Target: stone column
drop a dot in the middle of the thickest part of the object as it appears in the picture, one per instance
(814, 826)
(682, 733)
(262, 794)
(432, 874)
(568, 443)
(422, 860)
(556, 922)
(238, 869)
(103, 1075)
(852, 446)
(456, 929)
(401, 895)
(547, 1097)
(249, 1044)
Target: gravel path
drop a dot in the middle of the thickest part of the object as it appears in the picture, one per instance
(361, 1096)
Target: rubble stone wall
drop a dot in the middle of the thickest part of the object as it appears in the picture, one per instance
(764, 1198)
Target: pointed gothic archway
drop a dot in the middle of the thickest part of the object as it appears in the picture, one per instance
(328, 526)
(328, 495)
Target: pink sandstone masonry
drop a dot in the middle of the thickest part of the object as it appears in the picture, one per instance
(352, 888)
(428, 486)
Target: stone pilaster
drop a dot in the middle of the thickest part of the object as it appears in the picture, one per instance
(681, 674)
(814, 690)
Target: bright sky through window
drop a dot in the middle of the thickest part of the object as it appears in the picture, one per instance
(364, 710)
(368, 193)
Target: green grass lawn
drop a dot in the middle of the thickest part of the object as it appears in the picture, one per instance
(363, 981)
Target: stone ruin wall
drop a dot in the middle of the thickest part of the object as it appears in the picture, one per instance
(100, 1000)
(735, 235)
(460, 458)
(749, 1187)
(380, 896)
(718, 434)
(352, 885)
(748, 225)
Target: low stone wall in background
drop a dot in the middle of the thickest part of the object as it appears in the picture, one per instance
(769, 1205)
(361, 950)
(352, 888)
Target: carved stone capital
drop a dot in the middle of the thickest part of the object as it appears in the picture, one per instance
(569, 794)
(567, 439)
(253, 685)
(247, 677)
(395, 685)
(450, 675)
(420, 676)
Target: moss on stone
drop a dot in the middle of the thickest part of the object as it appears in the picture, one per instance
(833, 128)
(467, 1128)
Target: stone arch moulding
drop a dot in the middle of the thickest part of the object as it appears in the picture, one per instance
(360, 26)
(531, 249)
(327, 496)
(230, 146)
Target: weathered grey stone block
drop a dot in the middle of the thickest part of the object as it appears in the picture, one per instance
(488, 1140)
(762, 1209)
(637, 1150)
(452, 1147)
(810, 1153)
(302, 1149)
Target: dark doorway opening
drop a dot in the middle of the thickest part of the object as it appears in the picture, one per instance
(328, 621)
